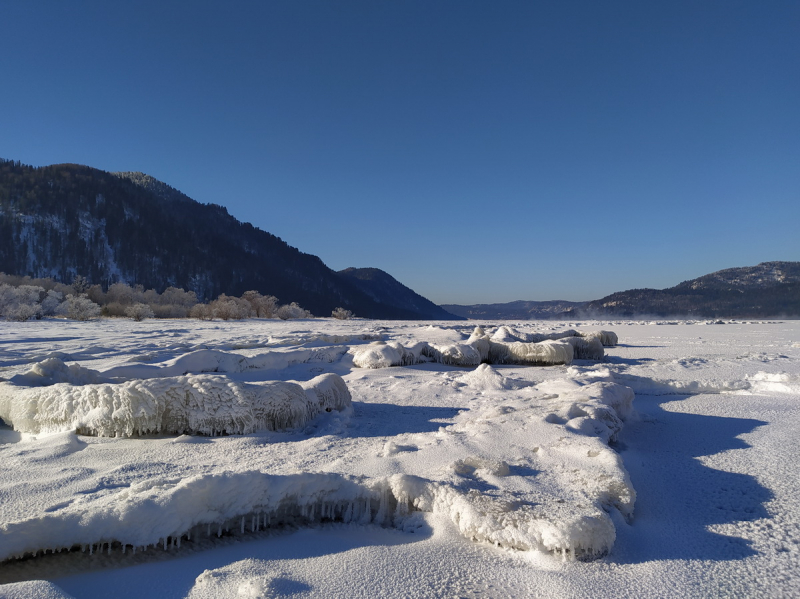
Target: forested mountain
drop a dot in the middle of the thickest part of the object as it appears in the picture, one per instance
(766, 290)
(65, 220)
(385, 289)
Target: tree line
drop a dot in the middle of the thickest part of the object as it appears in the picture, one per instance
(25, 298)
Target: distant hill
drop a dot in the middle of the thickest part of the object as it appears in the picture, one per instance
(519, 310)
(385, 289)
(65, 220)
(766, 290)
(770, 289)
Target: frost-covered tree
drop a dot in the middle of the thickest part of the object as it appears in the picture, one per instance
(178, 297)
(201, 312)
(80, 285)
(227, 307)
(51, 302)
(291, 311)
(342, 314)
(79, 307)
(139, 312)
(20, 303)
(263, 306)
(120, 293)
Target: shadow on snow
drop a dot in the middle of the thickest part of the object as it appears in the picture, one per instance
(679, 498)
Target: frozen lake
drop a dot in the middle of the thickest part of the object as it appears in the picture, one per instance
(430, 479)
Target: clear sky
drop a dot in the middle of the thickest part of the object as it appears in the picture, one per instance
(477, 151)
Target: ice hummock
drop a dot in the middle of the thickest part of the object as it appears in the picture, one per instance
(504, 346)
(193, 404)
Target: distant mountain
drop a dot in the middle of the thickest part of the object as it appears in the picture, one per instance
(385, 289)
(768, 290)
(519, 310)
(65, 220)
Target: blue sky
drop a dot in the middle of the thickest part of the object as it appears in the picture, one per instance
(477, 151)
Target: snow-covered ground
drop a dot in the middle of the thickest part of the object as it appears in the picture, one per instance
(378, 459)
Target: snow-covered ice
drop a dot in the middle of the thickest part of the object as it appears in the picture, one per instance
(367, 458)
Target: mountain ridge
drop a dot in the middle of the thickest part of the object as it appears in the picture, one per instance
(66, 220)
(769, 289)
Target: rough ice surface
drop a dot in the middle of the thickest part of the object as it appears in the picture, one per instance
(194, 404)
(429, 457)
(503, 347)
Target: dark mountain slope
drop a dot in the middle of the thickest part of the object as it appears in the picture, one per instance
(766, 290)
(385, 289)
(67, 219)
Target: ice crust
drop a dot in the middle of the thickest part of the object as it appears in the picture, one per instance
(607, 338)
(505, 346)
(194, 404)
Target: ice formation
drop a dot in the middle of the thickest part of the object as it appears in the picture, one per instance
(54, 370)
(209, 360)
(454, 354)
(523, 466)
(162, 512)
(607, 338)
(505, 346)
(196, 404)
(382, 354)
(586, 348)
(532, 354)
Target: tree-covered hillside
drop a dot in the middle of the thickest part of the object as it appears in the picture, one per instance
(66, 220)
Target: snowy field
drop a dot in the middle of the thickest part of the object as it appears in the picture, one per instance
(324, 458)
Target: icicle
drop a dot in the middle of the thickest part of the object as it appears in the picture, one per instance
(165, 543)
(242, 526)
(219, 531)
(253, 524)
(109, 548)
(179, 542)
(208, 534)
(90, 549)
(123, 548)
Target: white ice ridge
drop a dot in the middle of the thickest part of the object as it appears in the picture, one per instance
(505, 346)
(209, 360)
(162, 512)
(204, 404)
(383, 354)
(53, 370)
(607, 338)
(551, 481)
